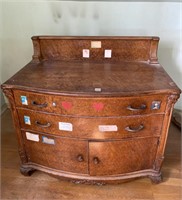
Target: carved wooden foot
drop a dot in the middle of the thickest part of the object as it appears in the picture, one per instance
(26, 171)
(156, 179)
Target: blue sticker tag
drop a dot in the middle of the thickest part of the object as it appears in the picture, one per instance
(24, 100)
(47, 140)
(27, 120)
(155, 105)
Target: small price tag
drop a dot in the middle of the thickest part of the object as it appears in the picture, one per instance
(86, 53)
(47, 140)
(95, 44)
(98, 89)
(107, 128)
(24, 100)
(107, 53)
(64, 126)
(32, 137)
(27, 120)
(155, 105)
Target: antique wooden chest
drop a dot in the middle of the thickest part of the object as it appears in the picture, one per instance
(92, 109)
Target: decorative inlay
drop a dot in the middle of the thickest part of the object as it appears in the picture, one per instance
(66, 105)
(172, 99)
(98, 106)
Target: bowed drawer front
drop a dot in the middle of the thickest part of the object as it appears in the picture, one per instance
(91, 106)
(93, 128)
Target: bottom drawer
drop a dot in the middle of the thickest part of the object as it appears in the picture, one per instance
(55, 152)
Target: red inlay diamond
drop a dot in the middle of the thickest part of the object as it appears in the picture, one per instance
(66, 105)
(98, 106)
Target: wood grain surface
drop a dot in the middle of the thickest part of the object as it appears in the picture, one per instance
(81, 78)
(92, 106)
(85, 127)
(70, 48)
(65, 154)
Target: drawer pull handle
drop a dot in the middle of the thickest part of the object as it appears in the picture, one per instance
(129, 129)
(96, 161)
(43, 125)
(34, 103)
(142, 107)
(80, 158)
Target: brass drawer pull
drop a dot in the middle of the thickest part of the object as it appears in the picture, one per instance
(80, 158)
(142, 107)
(43, 125)
(96, 160)
(34, 103)
(129, 129)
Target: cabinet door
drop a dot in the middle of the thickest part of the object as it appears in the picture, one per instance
(58, 153)
(118, 157)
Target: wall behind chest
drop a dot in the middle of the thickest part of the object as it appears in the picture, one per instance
(21, 20)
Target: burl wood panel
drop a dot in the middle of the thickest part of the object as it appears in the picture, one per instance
(121, 156)
(81, 106)
(66, 154)
(69, 50)
(89, 127)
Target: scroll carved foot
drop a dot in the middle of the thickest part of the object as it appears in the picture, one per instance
(156, 179)
(26, 171)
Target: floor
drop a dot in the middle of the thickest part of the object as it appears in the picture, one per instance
(42, 186)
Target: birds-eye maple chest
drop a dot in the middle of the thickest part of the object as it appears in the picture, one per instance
(92, 109)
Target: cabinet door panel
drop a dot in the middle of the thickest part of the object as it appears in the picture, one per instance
(117, 157)
(55, 152)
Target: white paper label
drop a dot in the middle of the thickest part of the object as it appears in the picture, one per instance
(47, 140)
(24, 100)
(27, 120)
(95, 44)
(32, 137)
(107, 128)
(86, 53)
(98, 89)
(107, 53)
(64, 126)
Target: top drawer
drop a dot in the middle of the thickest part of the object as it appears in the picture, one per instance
(91, 106)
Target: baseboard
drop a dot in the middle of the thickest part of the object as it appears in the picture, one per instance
(4, 107)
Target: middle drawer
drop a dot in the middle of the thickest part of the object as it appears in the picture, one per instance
(89, 127)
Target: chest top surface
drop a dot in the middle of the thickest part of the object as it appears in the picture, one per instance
(59, 65)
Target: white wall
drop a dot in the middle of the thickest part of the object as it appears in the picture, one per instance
(2, 101)
(21, 20)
